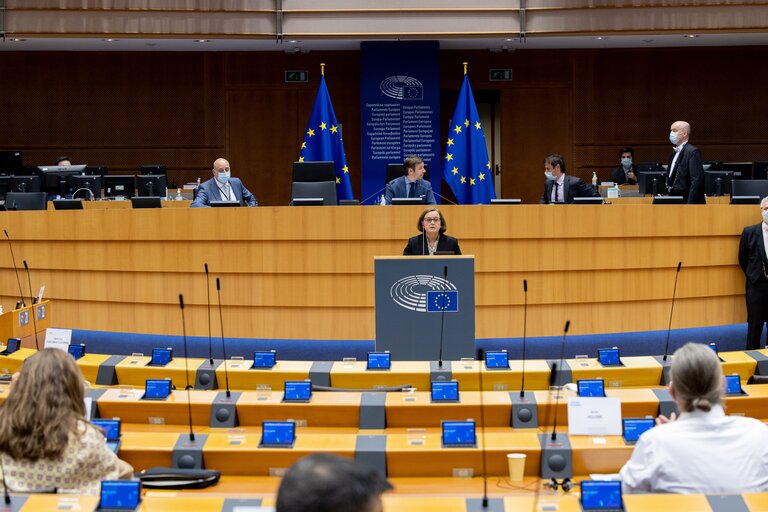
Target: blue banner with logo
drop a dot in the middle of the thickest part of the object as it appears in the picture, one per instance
(400, 110)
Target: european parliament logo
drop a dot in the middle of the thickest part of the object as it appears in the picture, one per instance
(400, 87)
(425, 294)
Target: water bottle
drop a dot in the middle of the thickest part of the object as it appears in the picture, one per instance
(382, 201)
(178, 195)
(594, 179)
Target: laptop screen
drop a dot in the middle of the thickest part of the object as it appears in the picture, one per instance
(379, 361)
(298, 390)
(458, 433)
(111, 428)
(264, 359)
(76, 351)
(600, 495)
(120, 494)
(445, 391)
(278, 433)
(633, 427)
(497, 359)
(732, 385)
(609, 356)
(161, 356)
(591, 387)
(157, 388)
(12, 345)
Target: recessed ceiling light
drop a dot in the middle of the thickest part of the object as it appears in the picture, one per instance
(691, 36)
(111, 40)
(202, 40)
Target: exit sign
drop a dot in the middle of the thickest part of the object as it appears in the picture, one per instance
(296, 77)
(500, 75)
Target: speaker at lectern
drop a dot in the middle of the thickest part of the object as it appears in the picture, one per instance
(413, 294)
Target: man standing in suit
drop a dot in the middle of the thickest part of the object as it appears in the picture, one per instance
(222, 187)
(561, 188)
(412, 184)
(686, 174)
(753, 248)
(626, 173)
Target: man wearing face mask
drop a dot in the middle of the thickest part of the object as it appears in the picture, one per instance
(222, 187)
(562, 188)
(685, 175)
(753, 260)
(626, 172)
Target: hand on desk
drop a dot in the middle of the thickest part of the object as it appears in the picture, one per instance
(663, 419)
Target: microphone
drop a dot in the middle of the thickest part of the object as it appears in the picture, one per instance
(6, 496)
(223, 346)
(480, 358)
(442, 322)
(208, 292)
(186, 368)
(15, 268)
(671, 310)
(31, 298)
(525, 321)
(443, 197)
(553, 377)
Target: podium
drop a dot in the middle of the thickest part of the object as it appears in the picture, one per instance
(18, 323)
(412, 295)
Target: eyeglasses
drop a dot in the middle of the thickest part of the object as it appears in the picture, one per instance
(431, 219)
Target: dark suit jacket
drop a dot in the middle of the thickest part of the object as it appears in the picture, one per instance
(752, 258)
(620, 178)
(418, 246)
(398, 188)
(573, 187)
(689, 175)
(208, 191)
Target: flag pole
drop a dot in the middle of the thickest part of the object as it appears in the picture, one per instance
(322, 69)
(465, 67)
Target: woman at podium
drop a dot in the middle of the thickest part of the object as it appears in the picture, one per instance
(46, 442)
(432, 239)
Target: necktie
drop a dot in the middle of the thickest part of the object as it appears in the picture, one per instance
(557, 185)
(411, 190)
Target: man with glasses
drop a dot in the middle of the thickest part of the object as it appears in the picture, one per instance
(412, 183)
(222, 187)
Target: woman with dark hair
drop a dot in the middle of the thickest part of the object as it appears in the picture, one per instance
(432, 239)
(46, 443)
(703, 451)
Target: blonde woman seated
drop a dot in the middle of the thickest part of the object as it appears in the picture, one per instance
(432, 239)
(703, 451)
(46, 444)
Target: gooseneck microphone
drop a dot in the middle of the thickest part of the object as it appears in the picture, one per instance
(671, 310)
(15, 268)
(554, 373)
(375, 194)
(442, 320)
(525, 322)
(484, 449)
(223, 346)
(32, 300)
(186, 368)
(6, 495)
(208, 293)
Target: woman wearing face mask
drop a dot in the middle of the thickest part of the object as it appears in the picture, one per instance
(432, 239)
(626, 173)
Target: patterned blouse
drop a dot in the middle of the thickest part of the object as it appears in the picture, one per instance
(84, 464)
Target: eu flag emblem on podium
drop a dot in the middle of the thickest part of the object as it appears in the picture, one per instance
(442, 300)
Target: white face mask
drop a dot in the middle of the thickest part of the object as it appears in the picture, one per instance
(626, 162)
(673, 138)
(224, 176)
(549, 175)
(765, 216)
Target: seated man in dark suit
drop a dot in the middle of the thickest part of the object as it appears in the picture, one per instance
(754, 261)
(626, 173)
(412, 184)
(222, 187)
(686, 173)
(561, 188)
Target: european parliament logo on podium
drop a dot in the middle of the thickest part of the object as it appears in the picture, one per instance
(440, 301)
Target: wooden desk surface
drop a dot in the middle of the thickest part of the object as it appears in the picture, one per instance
(127, 404)
(243, 377)
(353, 375)
(329, 409)
(637, 371)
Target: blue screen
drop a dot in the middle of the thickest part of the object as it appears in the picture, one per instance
(120, 494)
(458, 432)
(278, 433)
(76, 351)
(297, 390)
(157, 388)
(379, 360)
(597, 495)
(633, 427)
(608, 356)
(263, 359)
(713, 346)
(591, 387)
(445, 391)
(497, 360)
(732, 385)
(111, 428)
(161, 356)
(12, 345)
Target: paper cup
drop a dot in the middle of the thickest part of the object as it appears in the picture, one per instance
(516, 463)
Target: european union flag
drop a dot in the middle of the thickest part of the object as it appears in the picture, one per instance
(466, 166)
(323, 141)
(442, 300)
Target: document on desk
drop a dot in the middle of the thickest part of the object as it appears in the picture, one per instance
(594, 416)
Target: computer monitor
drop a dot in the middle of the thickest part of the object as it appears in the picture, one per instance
(10, 162)
(760, 170)
(86, 186)
(5, 186)
(119, 185)
(712, 165)
(652, 182)
(55, 177)
(649, 167)
(97, 170)
(152, 169)
(717, 183)
(750, 188)
(25, 184)
(314, 171)
(151, 185)
(740, 170)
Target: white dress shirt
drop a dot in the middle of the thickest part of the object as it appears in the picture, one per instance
(701, 452)
(677, 150)
(227, 194)
(557, 191)
(765, 236)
